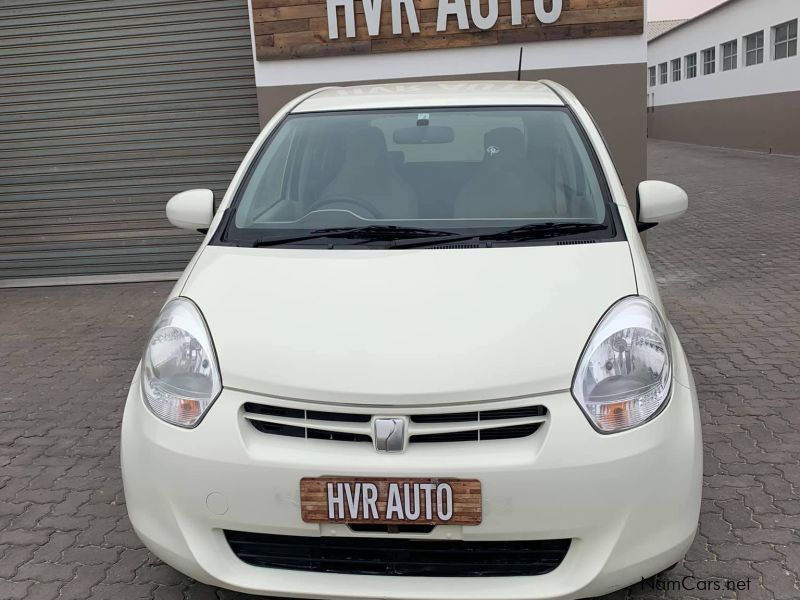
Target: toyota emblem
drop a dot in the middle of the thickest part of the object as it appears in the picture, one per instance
(389, 434)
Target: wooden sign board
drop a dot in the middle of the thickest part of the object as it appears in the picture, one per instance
(387, 501)
(312, 28)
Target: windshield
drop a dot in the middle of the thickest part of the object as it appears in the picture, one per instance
(360, 176)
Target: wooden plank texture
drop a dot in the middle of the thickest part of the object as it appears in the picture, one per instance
(466, 501)
(299, 28)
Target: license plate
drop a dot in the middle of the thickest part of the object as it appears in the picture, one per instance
(388, 501)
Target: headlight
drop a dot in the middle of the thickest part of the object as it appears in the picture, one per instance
(180, 378)
(624, 374)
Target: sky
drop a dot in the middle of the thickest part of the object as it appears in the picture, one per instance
(660, 10)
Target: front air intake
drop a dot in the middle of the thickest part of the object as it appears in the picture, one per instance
(398, 557)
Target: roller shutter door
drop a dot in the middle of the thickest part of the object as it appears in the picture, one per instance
(107, 108)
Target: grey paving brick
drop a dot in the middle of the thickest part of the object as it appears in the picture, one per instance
(51, 551)
(92, 555)
(715, 528)
(788, 507)
(86, 577)
(758, 501)
(737, 514)
(14, 590)
(13, 558)
(779, 580)
(72, 501)
(123, 535)
(24, 537)
(42, 496)
(749, 552)
(44, 590)
(777, 487)
(204, 592)
(125, 568)
(722, 570)
(791, 558)
(171, 592)
(46, 572)
(768, 536)
(98, 528)
(65, 522)
(123, 591)
(159, 573)
(31, 517)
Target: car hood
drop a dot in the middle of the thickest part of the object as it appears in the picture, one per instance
(405, 327)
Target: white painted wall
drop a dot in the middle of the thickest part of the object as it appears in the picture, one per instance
(734, 20)
(451, 61)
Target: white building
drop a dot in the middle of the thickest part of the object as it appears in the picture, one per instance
(729, 77)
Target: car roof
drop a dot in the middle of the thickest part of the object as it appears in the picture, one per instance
(433, 94)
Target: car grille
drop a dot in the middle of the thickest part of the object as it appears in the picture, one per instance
(461, 426)
(398, 557)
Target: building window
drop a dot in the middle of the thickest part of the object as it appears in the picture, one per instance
(709, 61)
(784, 40)
(754, 49)
(691, 66)
(663, 75)
(676, 69)
(652, 72)
(730, 55)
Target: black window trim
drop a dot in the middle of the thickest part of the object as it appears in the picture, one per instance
(614, 220)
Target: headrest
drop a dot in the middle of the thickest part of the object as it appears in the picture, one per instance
(367, 145)
(504, 142)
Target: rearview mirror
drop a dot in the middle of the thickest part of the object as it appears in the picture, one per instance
(659, 202)
(191, 210)
(428, 134)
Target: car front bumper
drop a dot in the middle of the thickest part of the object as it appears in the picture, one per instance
(629, 502)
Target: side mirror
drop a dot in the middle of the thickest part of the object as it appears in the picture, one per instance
(659, 202)
(191, 210)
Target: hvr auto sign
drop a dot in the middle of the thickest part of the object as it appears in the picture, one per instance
(446, 9)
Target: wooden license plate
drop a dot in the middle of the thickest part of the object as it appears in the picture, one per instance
(388, 501)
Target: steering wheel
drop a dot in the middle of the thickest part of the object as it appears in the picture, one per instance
(371, 210)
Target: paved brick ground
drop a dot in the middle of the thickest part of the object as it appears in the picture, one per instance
(730, 274)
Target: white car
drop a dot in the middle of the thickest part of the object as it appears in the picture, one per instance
(419, 355)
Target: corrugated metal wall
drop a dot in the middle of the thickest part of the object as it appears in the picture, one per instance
(107, 108)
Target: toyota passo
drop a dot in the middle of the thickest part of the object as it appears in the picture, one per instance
(419, 355)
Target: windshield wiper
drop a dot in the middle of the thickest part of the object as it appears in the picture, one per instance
(534, 231)
(391, 233)
(369, 233)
